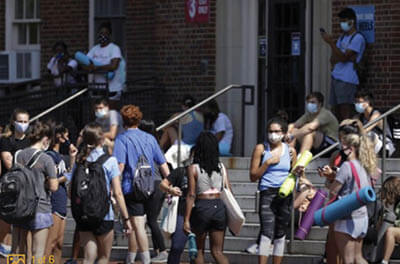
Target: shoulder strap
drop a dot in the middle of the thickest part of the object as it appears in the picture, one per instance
(35, 157)
(355, 174)
(223, 172)
(15, 159)
(103, 158)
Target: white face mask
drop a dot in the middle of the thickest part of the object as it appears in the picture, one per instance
(21, 127)
(274, 137)
(101, 113)
(46, 146)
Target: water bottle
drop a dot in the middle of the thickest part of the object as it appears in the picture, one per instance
(192, 246)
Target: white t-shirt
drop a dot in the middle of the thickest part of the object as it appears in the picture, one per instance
(112, 119)
(53, 68)
(104, 55)
(223, 124)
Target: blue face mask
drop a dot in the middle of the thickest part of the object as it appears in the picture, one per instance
(360, 108)
(312, 108)
(345, 26)
(21, 127)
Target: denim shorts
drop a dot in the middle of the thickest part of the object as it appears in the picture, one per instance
(354, 227)
(41, 221)
(342, 92)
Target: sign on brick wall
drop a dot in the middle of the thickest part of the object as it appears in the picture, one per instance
(197, 11)
(366, 21)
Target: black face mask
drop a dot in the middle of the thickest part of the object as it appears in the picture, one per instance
(102, 39)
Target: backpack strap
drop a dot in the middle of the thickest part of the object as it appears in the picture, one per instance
(34, 159)
(103, 158)
(355, 175)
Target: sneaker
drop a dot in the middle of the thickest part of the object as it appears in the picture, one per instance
(252, 249)
(71, 261)
(4, 252)
(161, 258)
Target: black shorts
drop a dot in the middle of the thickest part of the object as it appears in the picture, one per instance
(326, 142)
(103, 228)
(208, 215)
(135, 208)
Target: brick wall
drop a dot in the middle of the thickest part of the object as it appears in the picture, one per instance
(2, 24)
(384, 54)
(63, 20)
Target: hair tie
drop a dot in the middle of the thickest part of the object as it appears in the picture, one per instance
(90, 146)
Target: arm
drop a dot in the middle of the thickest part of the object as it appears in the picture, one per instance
(375, 115)
(220, 135)
(256, 171)
(7, 159)
(293, 157)
(166, 186)
(306, 129)
(337, 54)
(191, 196)
(112, 133)
(53, 184)
(121, 167)
(334, 188)
(116, 187)
(164, 170)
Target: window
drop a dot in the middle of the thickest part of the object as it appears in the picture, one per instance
(26, 22)
(114, 12)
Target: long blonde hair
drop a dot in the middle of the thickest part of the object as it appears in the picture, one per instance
(360, 141)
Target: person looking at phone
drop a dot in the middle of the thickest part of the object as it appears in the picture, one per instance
(347, 52)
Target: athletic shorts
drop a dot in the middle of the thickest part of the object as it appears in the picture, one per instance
(135, 208)
(41, 221)
(105, 227)
(208, 215)
(355, 227)
(342, 92)
(326, 142)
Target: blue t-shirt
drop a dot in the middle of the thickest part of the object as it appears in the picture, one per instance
(129, 146)
(192, 129)
(276, 174)
(344, 71)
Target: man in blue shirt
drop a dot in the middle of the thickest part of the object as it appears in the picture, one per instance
(346, 52)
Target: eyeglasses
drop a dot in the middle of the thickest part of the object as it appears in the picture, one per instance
(274, 131)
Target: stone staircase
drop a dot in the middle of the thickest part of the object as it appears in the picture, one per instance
(309, 251)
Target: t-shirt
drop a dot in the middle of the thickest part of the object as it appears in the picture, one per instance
(223, 124)
(129, 146)
(113, 118)
(47, 168)
(53, 68)
(328, 123)
(179, 178)
(104, 55)
(192, 126)
(345, 177)
(344, 71)
(12, 144)
(59, 198)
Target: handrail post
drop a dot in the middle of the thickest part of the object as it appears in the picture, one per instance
(243, 114)
(291, 246)
(384, 150)
(179, 141)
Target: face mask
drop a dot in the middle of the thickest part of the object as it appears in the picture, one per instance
(345, 151)
(312, 108)
(274, 137)
(46, 146)
(101, 113)
(59, 55)
(360, 108)
(103, 39)
(346, 26)
(21, 127)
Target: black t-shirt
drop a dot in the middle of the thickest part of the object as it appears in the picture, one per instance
(12, 145)
(179, 178)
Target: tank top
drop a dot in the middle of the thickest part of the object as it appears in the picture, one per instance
(376, 129)
(276, 174)
(192, 129)
(206, 184)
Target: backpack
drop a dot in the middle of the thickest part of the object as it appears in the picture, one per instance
(90, 199)
(360, 67)
(19, 195)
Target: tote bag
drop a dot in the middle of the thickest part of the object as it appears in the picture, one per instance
(234, 214)
(170, 214)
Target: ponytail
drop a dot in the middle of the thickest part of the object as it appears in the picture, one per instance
(84, 153)
(92, 136)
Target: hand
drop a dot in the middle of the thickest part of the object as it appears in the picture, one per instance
(327, 38)
(275, 157)
(298, 171)
(327, 172)
(73, 151)
(175, 191)
(186, 227)
(91, 67)
(288, 138)
(127, 226)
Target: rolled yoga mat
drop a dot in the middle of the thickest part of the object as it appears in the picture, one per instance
(308, 218)
(82, 58)
(344, 206)
(289, 183)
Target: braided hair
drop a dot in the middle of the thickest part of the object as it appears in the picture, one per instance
(206, 153)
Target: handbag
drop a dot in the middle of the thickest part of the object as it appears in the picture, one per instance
(234, 214)
(170, 214)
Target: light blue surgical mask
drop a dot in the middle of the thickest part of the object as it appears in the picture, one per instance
(101, 113)
(360, 108)
(312, 108)
(21, 127)
(346, 26)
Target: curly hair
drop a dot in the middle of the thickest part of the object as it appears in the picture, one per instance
(206, 153)
(131, 115)
(390, 191)
(363, 145)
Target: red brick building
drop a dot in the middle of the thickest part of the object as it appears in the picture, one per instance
(244, 42)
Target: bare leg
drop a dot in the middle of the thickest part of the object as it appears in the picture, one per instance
(140, 231)
(39, 238)
(346, 246)
(104, 243)
(53, 237)
(132, 245)
(76, 245)
(392, 235)
(332, 252)
(358, 252)
(311, 140)
(277, 259)
(200, 241)
(89, 244)
(217, 246)
(5, 233)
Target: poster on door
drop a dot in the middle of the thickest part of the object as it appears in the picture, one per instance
(197, 11)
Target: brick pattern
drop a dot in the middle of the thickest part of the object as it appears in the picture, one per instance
(2, 24)
(63, 20)
(384, 54)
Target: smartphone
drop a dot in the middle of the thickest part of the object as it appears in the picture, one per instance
(322, 30)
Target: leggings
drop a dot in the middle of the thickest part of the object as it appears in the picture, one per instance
(152, 208)
(178, 241)
(274, 213)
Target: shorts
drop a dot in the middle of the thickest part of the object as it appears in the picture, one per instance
(208, 215)
(354, 227)
(41, 221)
(342, 92)
(105, 227)
(326, 142)
(135, 208)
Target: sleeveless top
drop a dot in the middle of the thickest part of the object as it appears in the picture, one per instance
(206, 184)
(276, 174)
(192, 129)
(376, 129)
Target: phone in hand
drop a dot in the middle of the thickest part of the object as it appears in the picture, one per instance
(322, 30)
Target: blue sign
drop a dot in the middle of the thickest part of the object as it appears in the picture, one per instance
(296, 47)
(262, 43)
(366, 21)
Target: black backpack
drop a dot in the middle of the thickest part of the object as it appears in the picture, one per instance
(19, 195)
(143, 180)
(90, 199)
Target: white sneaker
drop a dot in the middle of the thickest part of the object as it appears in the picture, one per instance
(252, 249)
(161, 258)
